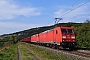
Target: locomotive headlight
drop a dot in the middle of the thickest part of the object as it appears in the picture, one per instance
(63, 40)
(64, 37)
(73, 37)
(73, 40)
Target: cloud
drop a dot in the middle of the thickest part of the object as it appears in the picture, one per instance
(64, 12)
(10, 11)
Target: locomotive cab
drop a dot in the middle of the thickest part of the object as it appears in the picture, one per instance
(68, 37)
(64, 36)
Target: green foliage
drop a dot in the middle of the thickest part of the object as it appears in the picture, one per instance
(9, 54)
(83, 35)
(13, 39)
(1, 44)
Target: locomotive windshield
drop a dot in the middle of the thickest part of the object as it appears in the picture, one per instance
(69, 31)
(64, 31)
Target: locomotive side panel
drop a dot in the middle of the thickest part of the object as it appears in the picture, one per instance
(44, 37)
(50, 37)
(57, 35)
(40, 37)
(33, 38)
(37, 37)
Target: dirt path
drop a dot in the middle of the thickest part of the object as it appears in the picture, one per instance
(19, 54)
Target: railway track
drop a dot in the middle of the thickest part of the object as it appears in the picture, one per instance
(83, 54)
(29, 51)
(76, 55)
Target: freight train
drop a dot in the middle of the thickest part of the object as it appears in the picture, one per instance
(59, 37)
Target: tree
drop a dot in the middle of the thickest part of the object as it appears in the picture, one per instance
(13, 39)
(83, 35)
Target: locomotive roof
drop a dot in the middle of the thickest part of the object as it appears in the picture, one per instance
(62, 27)
(65, 27)
(47, 31)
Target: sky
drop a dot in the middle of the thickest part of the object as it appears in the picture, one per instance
(19, 15)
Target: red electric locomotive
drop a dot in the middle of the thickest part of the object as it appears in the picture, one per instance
(58, 37)
(64, 36)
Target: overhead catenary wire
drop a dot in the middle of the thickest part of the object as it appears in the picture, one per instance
(75, 8)
(82, 17)
(61, 18)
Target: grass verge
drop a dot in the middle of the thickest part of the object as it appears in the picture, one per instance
(9, 53)
(25, 53)
(44, 54)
